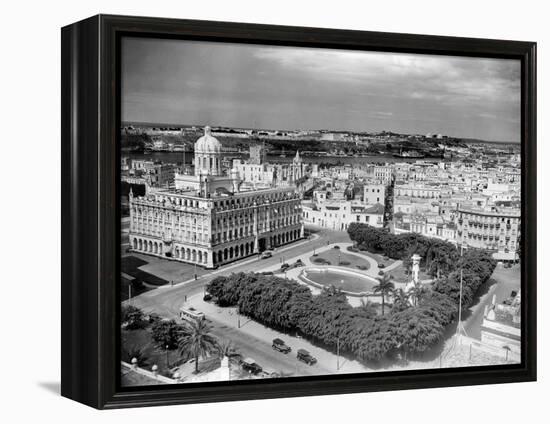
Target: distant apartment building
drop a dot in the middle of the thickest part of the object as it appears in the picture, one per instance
(257, 154)
(411, 205)
(423, 191)
(125, 165)
(374, 193)
(254, 173)
(383, 173)
(429, 225)
(491, 228)
(154, 174)
(161, 175)
(337, 215)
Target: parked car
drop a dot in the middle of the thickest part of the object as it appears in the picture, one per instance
(281, 346)
(284, 266)
(298, 263)
(271, 374)
(304, 356)
(336, 247)
(207, 297)
(380, 272)
(266, 255)
(267, 273)
(250, 365)
(381, 265)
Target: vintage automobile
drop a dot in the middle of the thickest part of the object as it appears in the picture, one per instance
(304, 356)
(250, 365)
(280, 345)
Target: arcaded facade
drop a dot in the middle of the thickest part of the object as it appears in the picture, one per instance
(211, 228)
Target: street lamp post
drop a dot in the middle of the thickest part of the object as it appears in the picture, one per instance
(238, 317)
(338, 354)
(460, 327)
(195, 270)
(166, 348)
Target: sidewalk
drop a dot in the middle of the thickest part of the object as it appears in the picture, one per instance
(237, 264)
(228, 317)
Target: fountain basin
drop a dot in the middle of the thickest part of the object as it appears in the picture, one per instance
(350, 282)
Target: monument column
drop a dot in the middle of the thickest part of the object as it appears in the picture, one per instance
(415, 268)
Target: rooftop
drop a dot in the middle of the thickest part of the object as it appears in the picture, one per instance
(375, 209)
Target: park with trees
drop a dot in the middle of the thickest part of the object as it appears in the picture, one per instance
(412, 324)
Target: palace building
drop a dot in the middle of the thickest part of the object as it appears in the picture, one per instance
(208, 220)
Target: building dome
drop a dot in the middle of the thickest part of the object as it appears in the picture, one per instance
(207, 143)
(208, 152)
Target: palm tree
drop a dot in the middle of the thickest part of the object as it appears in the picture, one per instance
(432, 249)
(384, 287)
(400, 299)
(416, 292)
(197, 342)
(441, 261)
(367, 309)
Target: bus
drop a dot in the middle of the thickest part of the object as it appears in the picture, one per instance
(191, 314)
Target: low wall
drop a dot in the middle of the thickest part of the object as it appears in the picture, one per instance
(148, 374)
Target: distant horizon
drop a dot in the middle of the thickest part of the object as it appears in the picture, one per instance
(296, 88)
(168, 124)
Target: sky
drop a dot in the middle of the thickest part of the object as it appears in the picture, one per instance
(274, 87)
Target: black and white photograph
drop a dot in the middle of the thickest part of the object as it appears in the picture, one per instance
(295, 212)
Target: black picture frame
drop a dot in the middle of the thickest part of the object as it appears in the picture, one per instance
(90, 210)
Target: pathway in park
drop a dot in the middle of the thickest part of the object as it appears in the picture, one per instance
(294, 273)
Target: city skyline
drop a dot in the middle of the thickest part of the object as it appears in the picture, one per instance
(248, 86)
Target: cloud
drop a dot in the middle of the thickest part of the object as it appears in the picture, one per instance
(440, 78)
(292, 87)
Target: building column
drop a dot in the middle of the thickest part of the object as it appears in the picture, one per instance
(209, 259)
(255, 229)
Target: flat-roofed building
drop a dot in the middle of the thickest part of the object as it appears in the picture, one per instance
(491, 228)
(374, 193)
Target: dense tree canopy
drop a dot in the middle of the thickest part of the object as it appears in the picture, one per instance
(132, 317)
(328, 318)
(403, 246)
(167, 333)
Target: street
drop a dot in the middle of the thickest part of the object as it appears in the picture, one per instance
(252, 339)
(502, 283)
